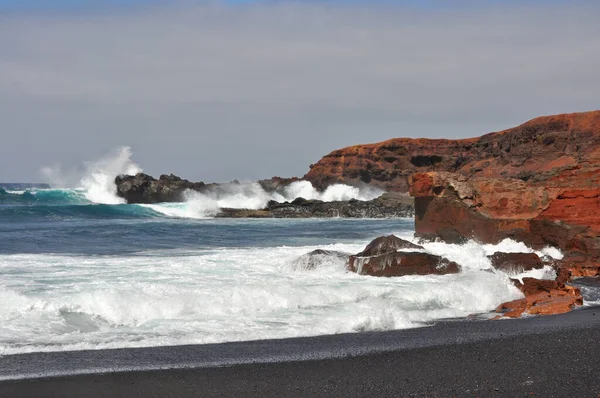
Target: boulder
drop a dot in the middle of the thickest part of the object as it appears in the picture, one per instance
(401, 264)
(382, 258)
(142, 188)
(387, 244)
(577, 264)
(515, 263)
(542, 297)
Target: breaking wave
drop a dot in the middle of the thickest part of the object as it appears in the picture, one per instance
(75, 193)
(97, 180)
(250, 195)
(229, 294)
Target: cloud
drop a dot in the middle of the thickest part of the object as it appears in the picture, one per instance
(217, 92)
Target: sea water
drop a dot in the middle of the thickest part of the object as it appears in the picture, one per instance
(80, 269)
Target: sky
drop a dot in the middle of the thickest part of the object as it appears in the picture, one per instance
(224, 90)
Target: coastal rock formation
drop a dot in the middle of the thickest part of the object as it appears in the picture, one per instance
(402, 263)
(388, 205)
(515, 262)
(542, 297)
(551, 149)
(453, 208)
(538, 184)
(142, 188)
(387, 244)
(381, 258)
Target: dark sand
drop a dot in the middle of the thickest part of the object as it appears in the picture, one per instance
(556, 356)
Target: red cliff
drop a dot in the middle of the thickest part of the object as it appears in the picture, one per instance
(538, 183)
(548, 148)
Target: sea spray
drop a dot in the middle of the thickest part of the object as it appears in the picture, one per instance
(97, 178)
(250, 195)
(97, 181)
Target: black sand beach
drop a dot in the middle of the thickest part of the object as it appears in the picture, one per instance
(555, 356)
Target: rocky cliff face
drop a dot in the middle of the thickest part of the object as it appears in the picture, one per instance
(548, 149)
(454, 208)
(540, 184)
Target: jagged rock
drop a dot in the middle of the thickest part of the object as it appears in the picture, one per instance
(515, 262)
(381, 258)
(386, 206)
(549, 148)
(387, 244)
(542, 297)
(276, 184)
(402, 263)
(450, 206)
(143, 188)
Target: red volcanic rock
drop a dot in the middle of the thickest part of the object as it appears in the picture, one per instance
(381, 258)
(542, 297)
(454, 208)
(402, 263)
(386, 244)
(577, 265)
(552, 149)
(538, 183)
(515, 262)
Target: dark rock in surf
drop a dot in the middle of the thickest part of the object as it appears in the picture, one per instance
(387, 244)
(515, 262)
(388, 205)
(143, 188)
(381, 258)
(402, 263)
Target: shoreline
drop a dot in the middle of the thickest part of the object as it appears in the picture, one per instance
(567, 337)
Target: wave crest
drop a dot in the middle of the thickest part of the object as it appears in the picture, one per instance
(98, 178)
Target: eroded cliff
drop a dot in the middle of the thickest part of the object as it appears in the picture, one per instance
(550, 149)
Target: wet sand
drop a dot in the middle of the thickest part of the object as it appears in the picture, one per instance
(543, 356)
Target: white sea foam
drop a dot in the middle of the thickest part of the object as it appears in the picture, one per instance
(227, 294)
(250, 195)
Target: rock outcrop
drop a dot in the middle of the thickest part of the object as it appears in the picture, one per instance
(390, 205)
(551, 149)
(453, 207)
(542, 297)
(387, 244)
(142, 188)
(382, 258)
(515, 263)
(539, 184)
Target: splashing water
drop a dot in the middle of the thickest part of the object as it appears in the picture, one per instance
(250, 195)
(97, 181)
(98, 178)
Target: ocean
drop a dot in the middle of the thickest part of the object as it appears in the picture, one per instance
(80, 269)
